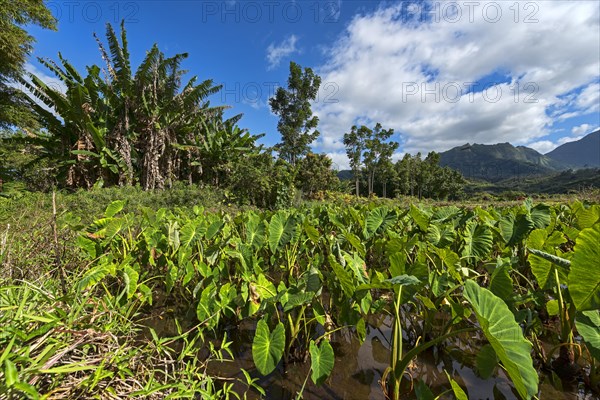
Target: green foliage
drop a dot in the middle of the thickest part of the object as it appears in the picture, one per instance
(505, 336)
(138, 127)
(584, 276)
(304, 276)
(17, 45)
(426, 178)
(588, 325)
(321, 361)
(315, 175)
(296, 123)
(267, 347)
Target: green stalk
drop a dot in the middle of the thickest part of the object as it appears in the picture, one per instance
(396, 346)
(566, 329)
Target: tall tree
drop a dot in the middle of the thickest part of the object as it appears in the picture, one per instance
(15, 45)
(355, 146)
(297, 124)
(378, 151)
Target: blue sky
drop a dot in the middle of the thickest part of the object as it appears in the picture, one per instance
(440, 73)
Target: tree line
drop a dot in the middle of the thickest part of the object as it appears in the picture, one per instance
(370, 154)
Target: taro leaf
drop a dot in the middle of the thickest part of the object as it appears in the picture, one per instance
(540, 216)
(397, 263)
(543, 264)
(95, 275)
(440, 237)
(114, 208)
(343, 277)
(313, 282)
(213, 229)
(357, 265)
(588, 326)
(500, 282)
(355, 242)
(281, 230)
(445, 213)
(505, 336)
(263, 288)
(423, 392)
(297, 299)
(587, 217)
(191, 232)
(552, 307)
(543, 272)
(449, 258)
(112, 229)
(319, 312)
(88, 245)
(515, 228)
(207, 305)
(402, 280)
(267, 347)
(478, 240)
(312, 232)
(321, 361)
(420, 217)
(584, 277)
(173, 236)
(377, 221)
(130, 276)
(255, 231)
(459, 393)
(539, 239)
(486, 361)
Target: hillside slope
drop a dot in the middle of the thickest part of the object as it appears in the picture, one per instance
(583, 153)
(497, 162)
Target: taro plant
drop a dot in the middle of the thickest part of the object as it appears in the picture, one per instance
(581, 276)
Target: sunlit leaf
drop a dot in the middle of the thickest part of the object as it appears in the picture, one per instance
(505, 336)
(267, 347)
(321, 361)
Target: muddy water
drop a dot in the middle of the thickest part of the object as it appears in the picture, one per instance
(359, 367)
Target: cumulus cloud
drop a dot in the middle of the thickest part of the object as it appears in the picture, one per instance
(276, 52)
(543, 146)
(577, 132)
(583, 129)
(589, 99)
(441, 80)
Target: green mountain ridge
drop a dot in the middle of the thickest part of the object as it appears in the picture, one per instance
(497, 162)
(583, 153)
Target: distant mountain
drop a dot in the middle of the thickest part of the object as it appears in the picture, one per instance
(583, 153)
(497, 162)
(345, 174)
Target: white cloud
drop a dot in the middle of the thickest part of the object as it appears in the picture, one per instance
(543, 146)
(413, 76)
(340, 161)
(583, 129)
(589, 99)
(275, 53)
(546, 146)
